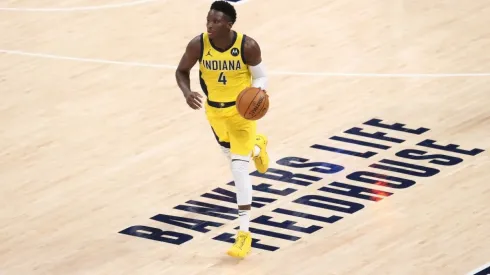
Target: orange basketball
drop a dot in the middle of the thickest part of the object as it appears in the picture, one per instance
(252, 103)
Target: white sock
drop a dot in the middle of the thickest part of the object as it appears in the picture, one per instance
(256, 151)
(244, 216)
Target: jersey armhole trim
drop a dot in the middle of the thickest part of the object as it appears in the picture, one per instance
(242, 50)
(202, 47)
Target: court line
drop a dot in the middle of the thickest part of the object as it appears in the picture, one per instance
(89, 60)
(101, 7)
(287, 73)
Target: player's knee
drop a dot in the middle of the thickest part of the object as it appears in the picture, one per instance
(242, 158)
(240, 164)
(242, 150)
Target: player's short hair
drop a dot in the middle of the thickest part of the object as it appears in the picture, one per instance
(226, 8)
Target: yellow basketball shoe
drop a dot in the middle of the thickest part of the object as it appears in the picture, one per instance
(242, 245)
(262, 159)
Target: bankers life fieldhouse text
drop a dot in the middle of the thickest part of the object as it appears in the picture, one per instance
(391, 174)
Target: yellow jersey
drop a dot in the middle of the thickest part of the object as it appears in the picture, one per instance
(223, 73)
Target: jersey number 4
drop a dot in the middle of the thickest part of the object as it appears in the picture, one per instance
(222, 78)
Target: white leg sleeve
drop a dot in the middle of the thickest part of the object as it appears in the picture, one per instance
(243, 184)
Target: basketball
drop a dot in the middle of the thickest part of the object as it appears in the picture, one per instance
(252, 103)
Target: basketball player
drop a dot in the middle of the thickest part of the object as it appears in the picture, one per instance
(229, 62)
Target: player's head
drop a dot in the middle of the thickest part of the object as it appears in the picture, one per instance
(221, 17)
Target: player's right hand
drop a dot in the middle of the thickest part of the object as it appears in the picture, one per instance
(194, 100)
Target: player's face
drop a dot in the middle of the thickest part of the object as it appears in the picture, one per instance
(217, 24)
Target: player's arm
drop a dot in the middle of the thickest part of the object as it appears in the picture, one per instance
(182, 74)
(253, 58)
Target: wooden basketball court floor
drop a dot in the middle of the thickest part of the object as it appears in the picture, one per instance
(105, 170)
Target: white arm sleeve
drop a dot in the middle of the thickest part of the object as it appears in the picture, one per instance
(259, 78)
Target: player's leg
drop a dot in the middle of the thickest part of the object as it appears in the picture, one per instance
(218, 126)
(242, 134)
(221, 138)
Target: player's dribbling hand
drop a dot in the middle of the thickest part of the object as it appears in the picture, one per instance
(194, 100)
